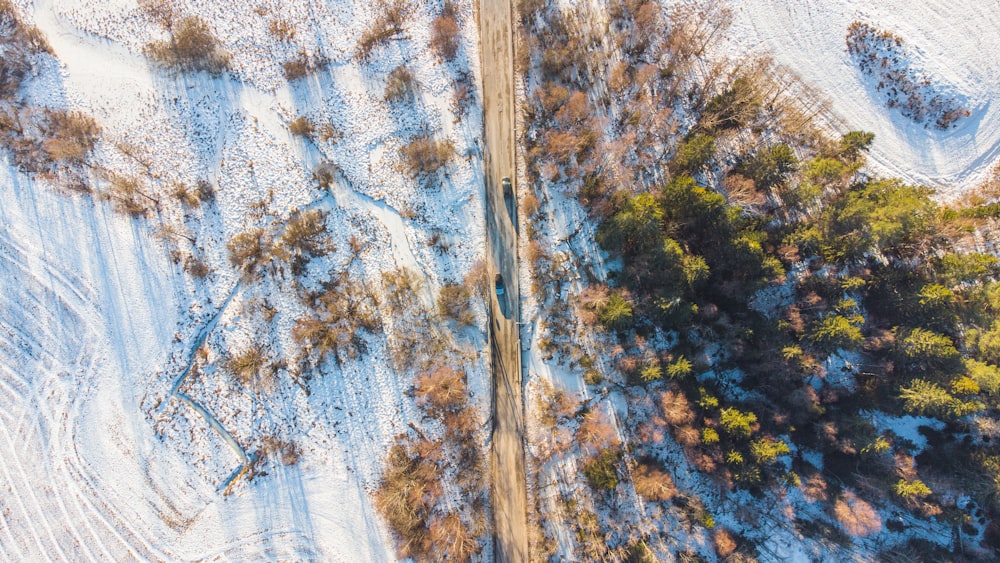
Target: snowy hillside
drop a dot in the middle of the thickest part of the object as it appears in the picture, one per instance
(951, 41)
(127, 431)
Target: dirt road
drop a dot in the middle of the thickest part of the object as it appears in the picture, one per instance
(507, 454)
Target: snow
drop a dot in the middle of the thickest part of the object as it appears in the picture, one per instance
(906, 427)
(110, 448)
(951, 40)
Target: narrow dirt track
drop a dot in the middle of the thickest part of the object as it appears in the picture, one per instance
(509, 492)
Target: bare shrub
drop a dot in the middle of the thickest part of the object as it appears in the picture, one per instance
(407, 494)
(71, 135)
(620, 78)
(530, 205)
(185, 195)
(563, 145)
(575, 111)
(326, 338)
(687, 436)
(388, 25)
(192, 47)
(814, 488)
(301, 126)
(461, 99)
(128, 195)
(206, 191)
(453, 304)
(248, 250)
(400, 287)
(425, 156)
(676, 408)
(282, 30)
(552, 96)
(249, 366)
(287, 451)
(18, 37)
(304, 238)
(336, 316)
(400, 85)
(596, 431)
(725, 543)
(694, 26)
(856, 516)
(460, 426)
(440, 390)
(741, 191)
(882, 55)
(162, 12)
(652, 483)
(476, 279)
(196, 267)
(555, 406)
(444, 38)
(302, 65)
(449, 539)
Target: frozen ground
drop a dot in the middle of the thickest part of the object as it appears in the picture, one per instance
(952, 41)
(99, 460)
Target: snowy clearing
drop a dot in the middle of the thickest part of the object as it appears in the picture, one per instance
(952, 41)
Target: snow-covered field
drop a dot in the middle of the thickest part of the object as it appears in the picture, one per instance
(951, 41)
(99, 458)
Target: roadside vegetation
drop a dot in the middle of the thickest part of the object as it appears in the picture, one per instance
(423, 473)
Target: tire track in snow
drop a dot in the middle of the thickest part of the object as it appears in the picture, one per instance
(36, 315)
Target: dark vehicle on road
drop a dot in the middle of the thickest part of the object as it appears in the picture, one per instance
(501, 290)
(509, 201)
